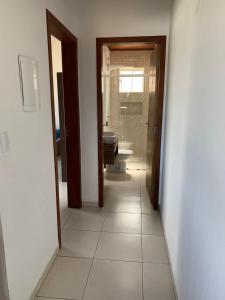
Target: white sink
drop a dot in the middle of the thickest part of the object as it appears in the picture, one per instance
(109, 137)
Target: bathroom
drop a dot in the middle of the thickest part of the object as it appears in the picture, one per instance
(125, 84)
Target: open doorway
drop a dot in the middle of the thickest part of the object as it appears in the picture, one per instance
(60, 126)
(130, 86)
(63, 68)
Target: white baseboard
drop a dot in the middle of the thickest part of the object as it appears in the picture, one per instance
(43, 276)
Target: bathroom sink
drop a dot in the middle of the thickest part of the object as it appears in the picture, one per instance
(109, 137)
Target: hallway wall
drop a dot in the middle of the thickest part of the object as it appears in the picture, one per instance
(27, 192)
(102, 18)
(193, 204)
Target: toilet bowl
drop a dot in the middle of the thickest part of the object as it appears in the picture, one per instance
(125, 145)
(120, 162)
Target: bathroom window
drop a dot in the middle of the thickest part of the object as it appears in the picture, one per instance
(131, 81)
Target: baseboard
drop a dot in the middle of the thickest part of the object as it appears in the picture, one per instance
(171, 269)
(44, 274)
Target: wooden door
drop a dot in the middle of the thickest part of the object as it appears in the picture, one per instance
(153, 128)
(62, 126)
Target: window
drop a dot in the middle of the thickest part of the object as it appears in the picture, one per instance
(131, 81)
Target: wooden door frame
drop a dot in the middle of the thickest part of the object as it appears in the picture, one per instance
(160, 40)
(62, 144)
(72, 116)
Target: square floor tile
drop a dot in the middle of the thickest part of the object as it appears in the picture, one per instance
(43, 298)
(130, 177)
(122, 222)
(121, 190)
(66, 279)
(121, 194)
(123, 204)
(151, 224)
(157, 282)
(64, 215)
(110, 280)
(85, 219)
(119, 246)
(154, 249)
(146, 206)
(77, 243)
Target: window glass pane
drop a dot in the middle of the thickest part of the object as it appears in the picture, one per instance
(130, 82)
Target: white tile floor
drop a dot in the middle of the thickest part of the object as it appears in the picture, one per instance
(118, 252)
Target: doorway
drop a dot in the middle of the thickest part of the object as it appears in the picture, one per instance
(65, 113)
(133, 69)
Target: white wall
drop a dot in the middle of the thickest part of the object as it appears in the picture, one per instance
(4, 292)
(27, 192)
(56, 67)
(102, 18)
(193, 191)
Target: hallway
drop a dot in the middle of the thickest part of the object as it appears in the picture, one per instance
(117, 252)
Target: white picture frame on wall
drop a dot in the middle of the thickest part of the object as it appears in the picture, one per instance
(28, 72)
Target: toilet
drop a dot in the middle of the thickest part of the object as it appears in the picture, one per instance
(125, 145)
(120, 162)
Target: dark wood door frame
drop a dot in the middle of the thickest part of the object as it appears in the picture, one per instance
(72, 117)
(62, 142)
(161, 41)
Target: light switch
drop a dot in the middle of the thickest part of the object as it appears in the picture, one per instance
(4, 142)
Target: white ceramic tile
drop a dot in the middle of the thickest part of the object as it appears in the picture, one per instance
(85, 219)
(151, 224)
(43, 298)
(139, 166)
(77, 243)
(146, 206)
(154, 249)
(113, 186)
(64, 215)
(119, 246)
(110, 280)
(110, 192)
(123, 204)
(66, 279)
(122, 179)
(130, 177)
(157, 282)
(122, 222)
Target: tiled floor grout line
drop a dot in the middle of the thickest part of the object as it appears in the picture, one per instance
(110, 259)
(65, 220)
(55, 298)
(118, 212)
(103, 231)
(142, 265)
(92, 262)
(104, 215)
